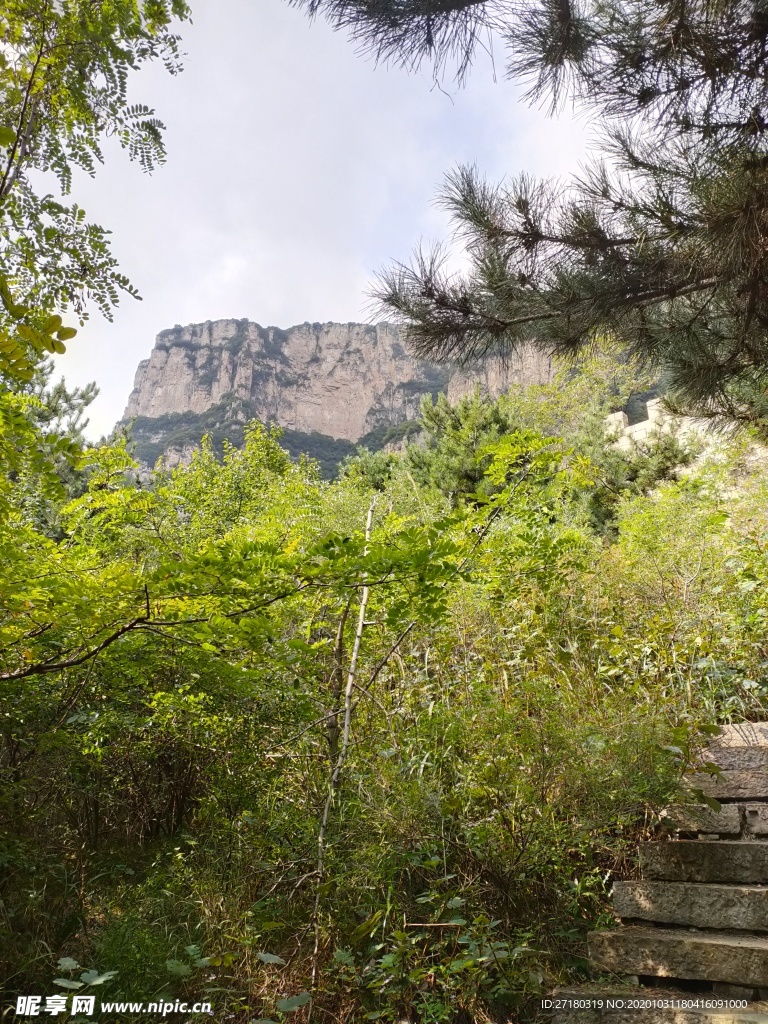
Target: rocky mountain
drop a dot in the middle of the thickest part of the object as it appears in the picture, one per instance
(330, 386)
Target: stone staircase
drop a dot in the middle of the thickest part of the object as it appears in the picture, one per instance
(692, 946)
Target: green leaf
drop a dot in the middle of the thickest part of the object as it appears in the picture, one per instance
(293, 1002)
(94, 978)
(66, 333)
(66, 983)
(178, 969)
(66, 963)
(270, 958)
(52, 324)
(367, 928)
(701, 797)
(7, 137)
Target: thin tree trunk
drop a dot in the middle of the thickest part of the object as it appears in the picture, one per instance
(333, 731)
(335, 779)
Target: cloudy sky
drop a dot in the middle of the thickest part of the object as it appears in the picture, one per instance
(295, 170)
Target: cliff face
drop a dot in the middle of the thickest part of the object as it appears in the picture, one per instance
(328, 385)
(342, 381)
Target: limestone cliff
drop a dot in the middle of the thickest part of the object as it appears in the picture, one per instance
(342, 382)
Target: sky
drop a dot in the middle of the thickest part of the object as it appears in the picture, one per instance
(296, 169)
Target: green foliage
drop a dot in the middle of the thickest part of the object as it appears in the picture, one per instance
(617, 473)
(376, 745)
(64, 71)
(153, 436)
(458, 444)
(63, 88)
(526, 692)
(456, 450)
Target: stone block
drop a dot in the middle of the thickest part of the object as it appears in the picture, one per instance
(738, 758)
(725, 991)
(742, 747)
(677, 953)
(743, 907)
(732, 785)
(732, 758)
(616, 421)
(701, 818)
(756, 819)
(744, 734)
(726, 860)
(656, 411)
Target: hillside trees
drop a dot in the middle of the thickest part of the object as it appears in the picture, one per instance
(659, 242)
(457, 442)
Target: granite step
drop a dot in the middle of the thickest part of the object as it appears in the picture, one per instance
(701, 818)
(744, 734)
(741, 752)
(732, 758)
(695, 860)
(680, 953)
(746, 818)
(736, 784)
(755, 819)
(718, 906)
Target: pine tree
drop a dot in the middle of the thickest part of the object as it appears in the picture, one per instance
(661, 243)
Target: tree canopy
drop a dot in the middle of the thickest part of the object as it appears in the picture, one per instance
(65, 70)
(660, 242)
(375, 744)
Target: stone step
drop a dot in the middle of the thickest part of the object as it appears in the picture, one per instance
(749, 784)
(741, 746)
(746, 818)
(741, 907)
(701, 818)
(600, 1004)
(737, 758)
(744, 734)
(691, 860)
(679, 953)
